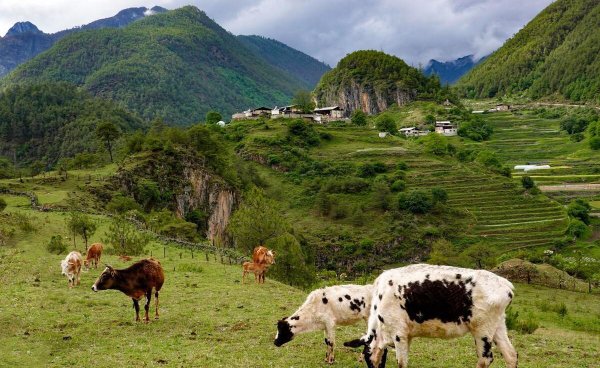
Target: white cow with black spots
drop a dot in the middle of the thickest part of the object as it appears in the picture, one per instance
(437, 301)
(323, 310)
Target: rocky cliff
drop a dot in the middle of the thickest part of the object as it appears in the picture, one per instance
(372, 81)
(186, 186)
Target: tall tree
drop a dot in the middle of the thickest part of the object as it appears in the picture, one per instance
(83, 225)
(304, 101)
(108, 132)
(213, 117)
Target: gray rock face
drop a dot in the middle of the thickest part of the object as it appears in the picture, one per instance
(22, 27)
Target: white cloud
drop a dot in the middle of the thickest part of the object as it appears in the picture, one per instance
(325, 29)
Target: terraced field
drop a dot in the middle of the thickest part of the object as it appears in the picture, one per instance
(503, 215)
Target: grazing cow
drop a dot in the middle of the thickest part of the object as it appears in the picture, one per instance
(263, 256)
(135, 281)
(93, 255)
(258, 269)
(71, 267)
(437, 301)
(323, 310)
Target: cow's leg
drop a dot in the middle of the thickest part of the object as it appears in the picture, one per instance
(147, 306)
(329, 341)
(484, 350)
(156, 304)
(136, 306)
(509, 354)
(402, 344)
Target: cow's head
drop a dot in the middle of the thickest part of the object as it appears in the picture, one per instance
(375, 357)
(106, 279)
(64, 265)
(284, 332)
(86, 264)
(270, 257)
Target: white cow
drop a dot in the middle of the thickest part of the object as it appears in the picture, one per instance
(71, 267)
(323, 310)
(437, 301)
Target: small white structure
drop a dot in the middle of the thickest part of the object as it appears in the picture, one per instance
(283, 111)
(221, 123)
(383, 134)
(477, 112)
(532, 167)
(413, 132)
(445, 128)
(503, 107)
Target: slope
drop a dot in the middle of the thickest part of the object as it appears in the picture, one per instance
(556, 54)
(175, 66)
(304, 67)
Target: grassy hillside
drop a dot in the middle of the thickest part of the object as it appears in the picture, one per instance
(296, 63)
(555, 55)
(209, 318)
(175, 66)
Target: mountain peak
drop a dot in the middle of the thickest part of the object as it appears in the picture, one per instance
(23, 27)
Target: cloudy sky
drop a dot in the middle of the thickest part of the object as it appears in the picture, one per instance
(326, 29)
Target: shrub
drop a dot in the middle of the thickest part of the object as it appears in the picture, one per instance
(3, 204)
(562, 310)
(23, 222)
(527, 182)
(56, 245)
(577, 229)
(124, 239)
(303, 132)
(401, 165)
(359, 118)
(595, 143)
(323, 203)
(213, 117)
(580, 209)
(385, 123)
(371, 169)
(477, 130)
(436, 144)
(381, 195)
(416, 202)
(439, 195)
(349, 185)
(524, 326)
(120, 204)
(398, 185)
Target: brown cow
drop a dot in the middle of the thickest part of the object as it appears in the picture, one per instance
(135, 281)
(263, 256)
(258, 269)
(93, 255)
(71, 267)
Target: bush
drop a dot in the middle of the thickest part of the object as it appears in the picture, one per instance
(213, 117)
(359, 118)
(595, 143)
(398, 185)
(527, 182)
(120, 204)
(524, 326)
(371, 169)
(580, 209)
(577, 229)
(385, 123)
(124, 239)
(56, 245)
(3, 204)
(439, 195)
(381, 195)
(299, 131)
(349, 185)
(416, 202)
(436, 144)
(477, 130)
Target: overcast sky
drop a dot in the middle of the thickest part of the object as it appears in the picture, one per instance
(326, 29)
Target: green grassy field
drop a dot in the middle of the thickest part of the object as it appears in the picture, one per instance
(210, 319)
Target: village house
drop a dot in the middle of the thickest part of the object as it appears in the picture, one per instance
(445, 128)
(284, 111)
(413, 132)
(252, 113)
(331, 113)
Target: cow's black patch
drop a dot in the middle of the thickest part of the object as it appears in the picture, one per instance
(397, 338)
(487, 348)
(347, 297)
(295, 318)
(284, 333)
(380, 296)
(328, 343)
(427, 276)
(510, 295)
(458, 276)
(391, 283)
(340, 299)
(375, 306)
(443, 300)
(324, 300)
(380, 318)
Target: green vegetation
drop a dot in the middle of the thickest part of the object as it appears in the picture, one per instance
(213, 117)
(304, 102)
(50, 121)
(176, 66)
(554, 55)
(82, 225)
(359, 118)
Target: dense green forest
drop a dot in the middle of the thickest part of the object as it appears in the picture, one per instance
(55, 120)
(296, 63)
(176, 66)
(556, 54)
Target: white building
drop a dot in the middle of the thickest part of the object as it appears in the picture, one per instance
(446, 128)
(413, 132)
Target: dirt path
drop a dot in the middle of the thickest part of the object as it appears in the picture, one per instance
(570, 188)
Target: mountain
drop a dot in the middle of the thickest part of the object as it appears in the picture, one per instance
(54, 120)
(24, 40)
(175, 66)
(372, 81)
(304, 67)
(450, 71)
(556, 54)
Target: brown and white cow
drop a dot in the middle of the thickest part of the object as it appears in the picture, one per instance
(136, 281)
(71, 267)
(259, 271)
(263, 256)
(437, 301)
(93, 255)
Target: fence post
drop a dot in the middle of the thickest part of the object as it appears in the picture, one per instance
(164, 252)
(206, 256)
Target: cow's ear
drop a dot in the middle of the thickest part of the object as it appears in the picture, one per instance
(355, 343)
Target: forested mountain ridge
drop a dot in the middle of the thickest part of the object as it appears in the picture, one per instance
(304, 67)
(372, 81)
(450, 71)
(24, 40)
(556, 54)
(176, 66)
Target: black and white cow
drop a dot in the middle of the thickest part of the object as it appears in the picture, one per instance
(437, 301)
(323, 310)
